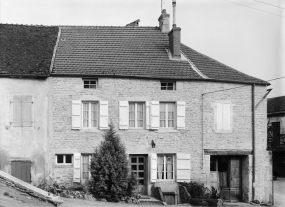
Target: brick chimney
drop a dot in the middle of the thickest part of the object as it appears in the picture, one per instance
(174, 36)
(164, 21)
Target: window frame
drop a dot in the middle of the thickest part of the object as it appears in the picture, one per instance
(89, 114)
(164, 167)
(90, 79)
(82, 167)
(64, 159)
(136, 112)
(166, 115)
(167, 87)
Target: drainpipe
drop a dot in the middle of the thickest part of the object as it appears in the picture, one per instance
(253, 141)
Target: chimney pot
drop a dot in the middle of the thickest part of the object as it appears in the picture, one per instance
(164, 21)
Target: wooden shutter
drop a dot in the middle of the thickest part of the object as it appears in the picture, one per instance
(147, 121)
(154, 114)
(22, 111)
(123, 114)
(17, 111)
(103, 115)
(180, 114)
(219, 116)
(76, 114)
(183, 167)
(226, 116)
(76, 167)
(153, 168)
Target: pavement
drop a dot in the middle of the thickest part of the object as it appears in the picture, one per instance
(279, 192)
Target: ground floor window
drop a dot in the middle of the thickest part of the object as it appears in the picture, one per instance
(165, 167)
(86, 166)
(63, 159)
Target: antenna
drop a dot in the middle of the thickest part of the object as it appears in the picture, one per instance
(161, 1)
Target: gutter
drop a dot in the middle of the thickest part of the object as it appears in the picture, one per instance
(23, 76)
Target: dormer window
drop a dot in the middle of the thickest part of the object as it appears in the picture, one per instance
(168, 85)
(90, 83)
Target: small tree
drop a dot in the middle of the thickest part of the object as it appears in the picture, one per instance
(109, 169)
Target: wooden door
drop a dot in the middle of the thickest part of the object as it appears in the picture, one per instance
(138, 168)
(235, 179)
(21, 170)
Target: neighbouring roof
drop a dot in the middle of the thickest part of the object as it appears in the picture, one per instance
(276, 105)
(133, 52)
(26, 50)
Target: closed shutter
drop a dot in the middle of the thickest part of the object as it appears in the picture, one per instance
(219, 116)
(123, 114)
(147, 121)
(76, 114)
(17, 111)
(154, 114)
(22, 111)
(183, 167)
(103, 115)
(153, 168)
(76, 167)
(226, 116)
(180, 114)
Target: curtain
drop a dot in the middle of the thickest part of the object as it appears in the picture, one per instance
(132, 115)
(162, 114)
(85, 166)
(160, 166)
(139, 114)
(94, 114)
(171, 115)
(85, 114)
(169, 167)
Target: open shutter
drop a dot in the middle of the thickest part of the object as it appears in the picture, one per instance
(180, 114)
(147, 124)
(123, 114)
(103, 115)
(183, 167)
(76, 167)
(226, 116)
(219, 116)
(153, 168)
(76, 114)
(89, 167)
(154, 114)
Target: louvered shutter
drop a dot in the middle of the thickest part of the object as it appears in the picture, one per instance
(76, 167)
(219, 116)
(103, 114)
(22, 111)
(180, 114)
(76, 114)
(226, 117)
(153, 168)
(183, 167)
(154, 114)
(17, 111)
(147, 124)
(123, 114)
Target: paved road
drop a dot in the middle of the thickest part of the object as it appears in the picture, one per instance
(279, 192)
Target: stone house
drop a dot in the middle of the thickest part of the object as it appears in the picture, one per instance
(182, 116)
(276, 133)
(25, 60)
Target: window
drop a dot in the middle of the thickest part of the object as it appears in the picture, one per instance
(90, 114)
(165, 167)
(63, 159)
(92, 83)
(223, 120)
(22, 111)
(167, 115)
(136, 115)
(86, 166)
(168, 85)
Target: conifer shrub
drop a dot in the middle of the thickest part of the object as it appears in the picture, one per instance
(109, 169)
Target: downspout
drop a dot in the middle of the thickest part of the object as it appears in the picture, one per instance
(202, 164)
(253, 141)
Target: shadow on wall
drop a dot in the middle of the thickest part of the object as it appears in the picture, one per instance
(4, 162)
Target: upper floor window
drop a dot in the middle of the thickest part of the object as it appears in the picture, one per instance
(167, 115)
(223, 117)
(90, 114)
(90, 83)
(64, 159)
(22, 111)
(168, 85)
(136, 114)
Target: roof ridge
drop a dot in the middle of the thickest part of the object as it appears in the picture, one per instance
(277, 97)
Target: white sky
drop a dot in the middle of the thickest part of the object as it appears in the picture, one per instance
(246, 39)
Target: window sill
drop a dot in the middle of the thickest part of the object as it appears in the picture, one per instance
(63, 166)
(165, 181)
(167, 130)
(223, 132)
(90, 130)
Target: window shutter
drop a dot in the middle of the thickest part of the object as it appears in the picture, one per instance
(154, 114)
(123, 114)
(147, 126)
(103, 114)
(219, 116)
(180, 114)
(17, 111)
(183, 167)
(76, 167)
(226, 116)
(76, 114)
(153, 173)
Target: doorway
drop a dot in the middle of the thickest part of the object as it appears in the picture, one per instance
(21, 170)
(138, 169)
(226, 176)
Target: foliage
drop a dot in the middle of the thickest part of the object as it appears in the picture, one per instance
(109, 169)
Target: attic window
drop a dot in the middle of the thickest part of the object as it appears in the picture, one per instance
(90, 83)
(168, 85)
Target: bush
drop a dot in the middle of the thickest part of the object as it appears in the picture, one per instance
(109, 169)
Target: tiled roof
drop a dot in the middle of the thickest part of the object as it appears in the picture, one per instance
(26, 50)
(133, 52)
(276, 105)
